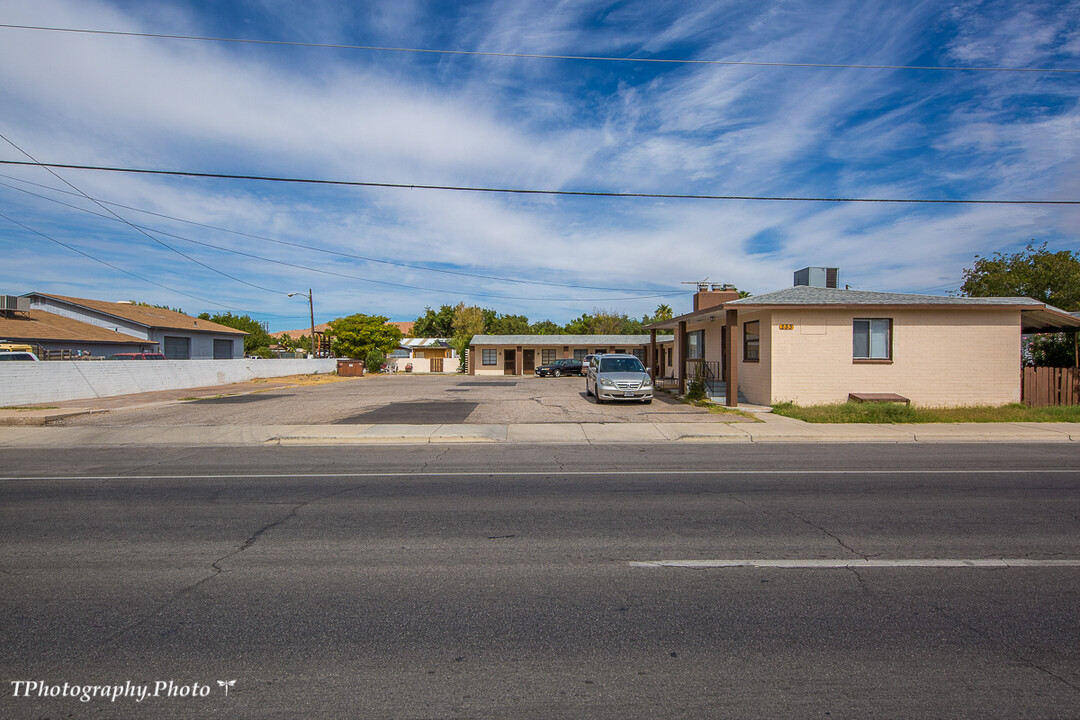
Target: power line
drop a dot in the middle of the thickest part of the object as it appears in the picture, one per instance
(315, 248)
(132, 226)
(340, 274)
(522, 191)
(538, 56)
(108, 264)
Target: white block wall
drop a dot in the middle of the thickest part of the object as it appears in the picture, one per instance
(423, 365)
(27, 383)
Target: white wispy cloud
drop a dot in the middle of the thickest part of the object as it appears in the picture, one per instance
(540, 124)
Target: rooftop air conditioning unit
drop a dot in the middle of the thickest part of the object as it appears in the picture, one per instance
(821, 277)
(14, 303)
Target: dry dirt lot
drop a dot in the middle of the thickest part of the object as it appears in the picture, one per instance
(408, 399)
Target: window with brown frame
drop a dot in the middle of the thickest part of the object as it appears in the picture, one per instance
(751, 341)
(871, 339)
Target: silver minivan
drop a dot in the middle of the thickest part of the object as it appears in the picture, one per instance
(618, 377)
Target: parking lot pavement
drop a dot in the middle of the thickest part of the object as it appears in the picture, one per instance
(401, 400)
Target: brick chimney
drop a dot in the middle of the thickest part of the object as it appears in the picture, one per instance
(709, 296)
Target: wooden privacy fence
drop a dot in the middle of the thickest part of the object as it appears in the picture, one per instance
(1043, 386)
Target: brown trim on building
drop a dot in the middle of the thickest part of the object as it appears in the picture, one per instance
(684, 347)
(731, 365)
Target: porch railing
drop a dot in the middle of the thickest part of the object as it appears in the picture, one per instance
(706, 370)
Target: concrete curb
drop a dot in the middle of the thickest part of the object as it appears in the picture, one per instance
(552, 433)
(10, 418)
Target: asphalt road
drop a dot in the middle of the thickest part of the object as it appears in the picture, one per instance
(466, 582)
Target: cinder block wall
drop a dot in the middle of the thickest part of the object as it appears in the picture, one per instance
(27, 383)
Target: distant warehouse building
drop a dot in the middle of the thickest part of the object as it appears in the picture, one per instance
(105, 328)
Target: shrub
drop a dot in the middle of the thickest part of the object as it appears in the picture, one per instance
(374, 360)
(695, 390)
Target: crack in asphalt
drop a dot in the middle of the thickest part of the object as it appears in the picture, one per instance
(843, 544)
(215, 566)
(788, 513)
(864, 587)
(141, 468)
(438, 456)
(1012, 651)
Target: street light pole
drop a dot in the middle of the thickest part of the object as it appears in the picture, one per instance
(311, 308)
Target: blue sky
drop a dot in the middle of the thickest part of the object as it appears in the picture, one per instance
(527, 123)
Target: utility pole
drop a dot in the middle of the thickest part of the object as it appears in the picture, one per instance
(311, 308)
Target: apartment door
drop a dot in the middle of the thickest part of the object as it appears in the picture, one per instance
(509, 361)
(528, 361)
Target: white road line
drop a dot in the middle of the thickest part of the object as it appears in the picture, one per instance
(553, 473)
(819, 564)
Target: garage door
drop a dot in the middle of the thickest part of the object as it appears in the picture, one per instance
(177, 348)
(223, 349)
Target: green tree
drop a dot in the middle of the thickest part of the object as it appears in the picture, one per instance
(1036, 272)
(256, 342)
(435, 324)
(468, 321)
(580, 326)
(544, 327)
(357, 335)
(140, 303)
(609, 322)
(663, 312)
(509, 325)
(490, 316)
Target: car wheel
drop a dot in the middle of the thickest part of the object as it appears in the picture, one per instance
(588, 392)
(647, 401)
(598, 400)
(557, 373)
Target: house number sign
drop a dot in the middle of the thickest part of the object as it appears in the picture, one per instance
(787, 326)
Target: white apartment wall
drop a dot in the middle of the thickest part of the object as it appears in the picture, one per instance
(423, 365)
(25, 383)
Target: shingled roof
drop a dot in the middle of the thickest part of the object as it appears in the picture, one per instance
(152, 317)
(593, 340)
(41, 326)
(806, 295)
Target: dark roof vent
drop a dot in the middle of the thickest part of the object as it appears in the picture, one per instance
(821, 277)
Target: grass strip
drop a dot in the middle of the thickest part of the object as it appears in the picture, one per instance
(892, 413)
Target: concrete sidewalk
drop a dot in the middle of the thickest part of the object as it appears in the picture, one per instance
(774, 430)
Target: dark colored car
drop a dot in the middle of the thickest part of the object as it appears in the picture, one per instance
(137, 356)
(560, 367)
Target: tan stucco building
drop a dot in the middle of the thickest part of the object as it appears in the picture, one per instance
(521, 354)
(815, 345)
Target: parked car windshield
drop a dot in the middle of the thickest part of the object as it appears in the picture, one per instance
(621, 364)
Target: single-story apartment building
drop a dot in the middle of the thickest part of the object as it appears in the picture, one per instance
(815, 344)
(178, 336)
(521, 354)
